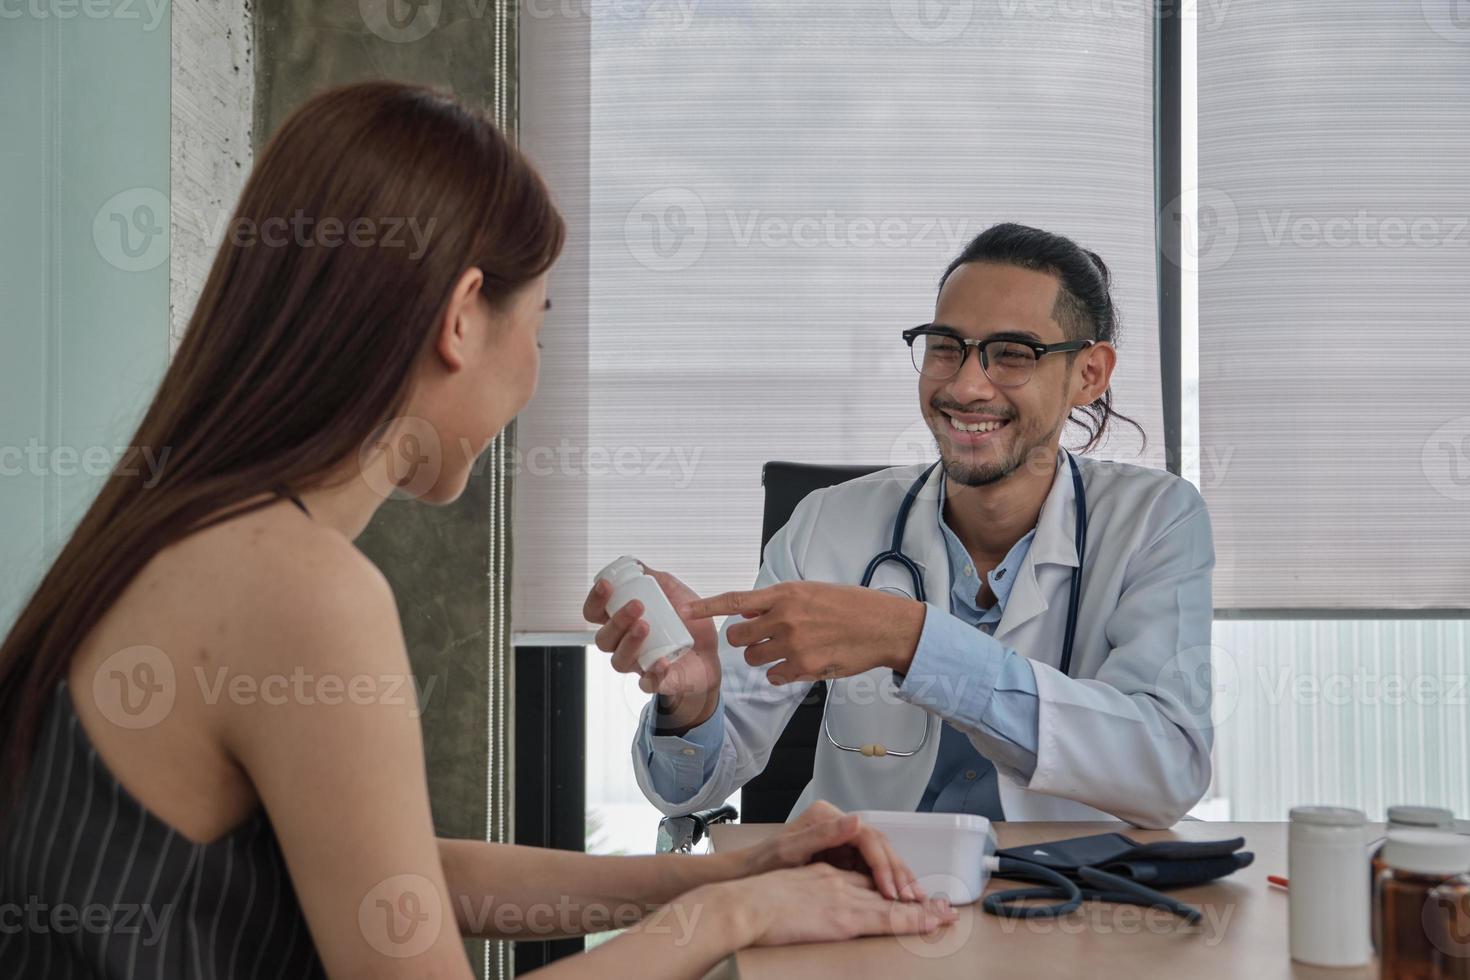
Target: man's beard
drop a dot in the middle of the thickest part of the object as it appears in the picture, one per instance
(971, 474)
(968, 474)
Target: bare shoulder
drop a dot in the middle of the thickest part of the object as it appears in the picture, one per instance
(277, 549)
(305, 574)
(240, 626)
(266, 591)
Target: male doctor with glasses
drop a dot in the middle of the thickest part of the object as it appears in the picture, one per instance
(959, 703)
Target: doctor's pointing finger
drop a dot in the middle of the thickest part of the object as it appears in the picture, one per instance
(816, 630)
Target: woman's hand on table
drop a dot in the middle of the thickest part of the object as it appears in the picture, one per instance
(820, 903)
(825, 834)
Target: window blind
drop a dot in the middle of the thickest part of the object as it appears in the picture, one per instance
(761, 196)
(1334, 280)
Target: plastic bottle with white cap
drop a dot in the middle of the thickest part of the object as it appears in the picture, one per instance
(1328, 899)
(668, 637)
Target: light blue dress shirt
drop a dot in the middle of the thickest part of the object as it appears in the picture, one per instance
(1001, 708)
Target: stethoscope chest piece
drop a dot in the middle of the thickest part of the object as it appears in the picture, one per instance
(876, 691)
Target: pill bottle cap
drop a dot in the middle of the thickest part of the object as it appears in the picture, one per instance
(1421, 816)
(1426, 852)
(1328, 816)
(624, 569)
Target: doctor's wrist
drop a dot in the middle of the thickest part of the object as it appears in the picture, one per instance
(680, 713)
(909, 627)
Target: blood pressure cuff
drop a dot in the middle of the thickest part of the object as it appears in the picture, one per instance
(1166, 864)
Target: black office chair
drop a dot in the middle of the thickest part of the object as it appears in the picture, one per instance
(770, 796)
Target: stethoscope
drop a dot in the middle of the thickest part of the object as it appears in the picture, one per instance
(895, 553)
(1097, 885)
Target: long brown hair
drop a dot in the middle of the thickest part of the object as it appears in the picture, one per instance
(359, 216)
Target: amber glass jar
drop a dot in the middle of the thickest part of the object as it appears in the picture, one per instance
(1447, 924)
(1416, 863)
(1404, 818)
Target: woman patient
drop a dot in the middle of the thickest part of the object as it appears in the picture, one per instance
(198, 734)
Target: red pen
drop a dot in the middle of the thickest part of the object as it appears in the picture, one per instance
(1278, 881)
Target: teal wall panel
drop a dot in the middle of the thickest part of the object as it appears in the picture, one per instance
(84, 259)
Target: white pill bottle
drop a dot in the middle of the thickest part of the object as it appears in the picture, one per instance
(667, 634)
(1326, 857)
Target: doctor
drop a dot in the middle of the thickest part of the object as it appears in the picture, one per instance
(974, 699)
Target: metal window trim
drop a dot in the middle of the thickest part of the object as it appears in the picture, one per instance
(1340, 613)
(1168, 168)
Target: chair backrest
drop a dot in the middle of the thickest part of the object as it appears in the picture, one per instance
(769, 797)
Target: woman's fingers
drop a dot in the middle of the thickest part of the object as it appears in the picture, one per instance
(880, 916)
(892, 875)
(909, 913)
(903, 875)
(843, 842)
(820, 904)
(873, 847)
(826, 834)
(911, 918)
(902, 885)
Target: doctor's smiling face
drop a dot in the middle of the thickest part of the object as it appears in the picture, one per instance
(987, 431)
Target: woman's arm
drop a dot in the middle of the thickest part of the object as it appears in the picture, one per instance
(815, 903)
(503, 891)
(336, 756)
(684, 939)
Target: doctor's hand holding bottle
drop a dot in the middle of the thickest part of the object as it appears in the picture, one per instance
(689, 688)
(803, 630)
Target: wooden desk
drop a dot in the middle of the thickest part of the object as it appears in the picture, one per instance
(1242, 935)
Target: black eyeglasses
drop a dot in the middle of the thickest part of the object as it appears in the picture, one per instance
(1007, 360)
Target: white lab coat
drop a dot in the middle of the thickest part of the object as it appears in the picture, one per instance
(1128, 736)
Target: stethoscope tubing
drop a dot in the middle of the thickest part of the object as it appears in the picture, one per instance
(1097, 886)
(895, 553)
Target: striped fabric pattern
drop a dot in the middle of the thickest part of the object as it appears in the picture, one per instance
(93, 885)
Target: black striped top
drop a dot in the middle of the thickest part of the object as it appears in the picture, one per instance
(94, 885)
